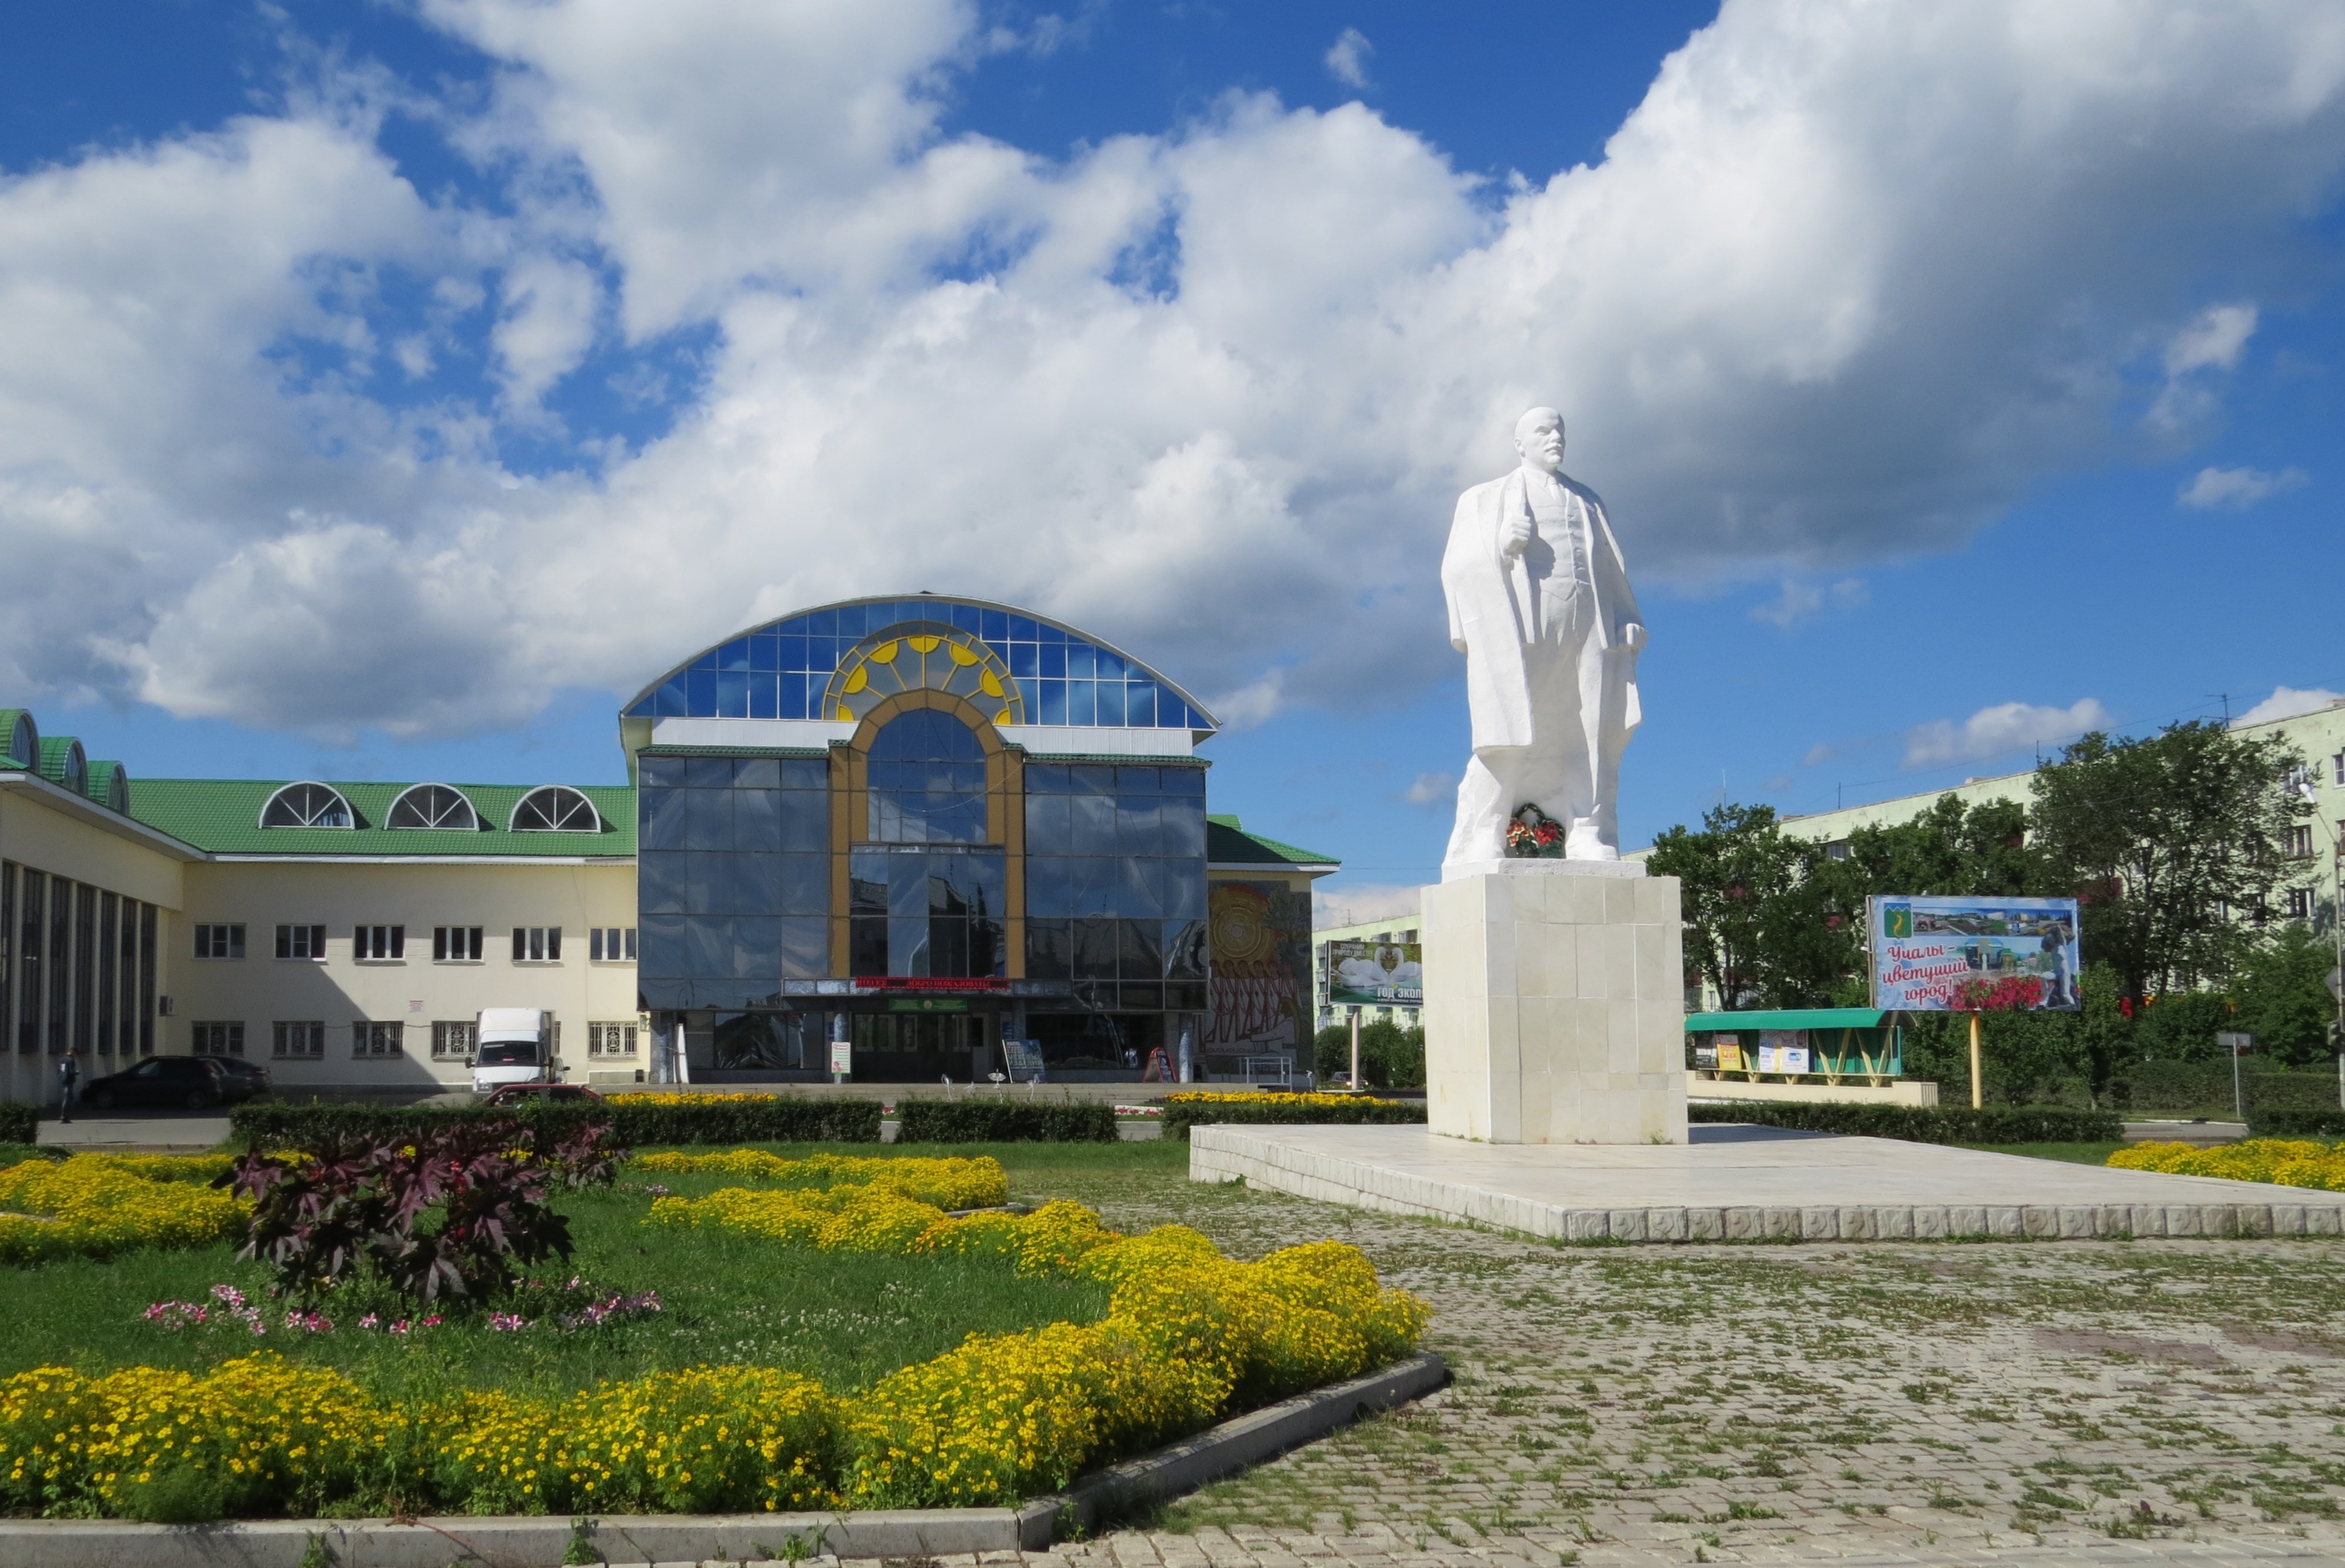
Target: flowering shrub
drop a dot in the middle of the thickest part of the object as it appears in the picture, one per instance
(1192, 1107)
(946, 1183)
(2012, 993)
(99, 1205)
(2285, 1162)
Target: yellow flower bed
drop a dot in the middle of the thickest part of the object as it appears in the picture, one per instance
(947, 1183)
(1274, 1097)
(2285, 1162)
(97, 1205)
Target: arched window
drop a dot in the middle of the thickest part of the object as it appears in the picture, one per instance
(926, 781)
(64, 763)
(110, 785)
(556, 808)
(308, 804)
(21, 736)
(434, 805)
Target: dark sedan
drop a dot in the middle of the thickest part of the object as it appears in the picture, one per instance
(193, 1083)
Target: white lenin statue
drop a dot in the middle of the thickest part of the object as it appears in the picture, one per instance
(1539, 603)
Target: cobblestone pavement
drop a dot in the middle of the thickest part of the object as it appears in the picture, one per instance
(2068, 1401)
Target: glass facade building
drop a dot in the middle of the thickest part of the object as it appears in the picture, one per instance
(922, 827)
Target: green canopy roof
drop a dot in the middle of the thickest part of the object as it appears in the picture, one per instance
(1794, 1019)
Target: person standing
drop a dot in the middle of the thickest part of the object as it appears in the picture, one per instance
(68, 1075)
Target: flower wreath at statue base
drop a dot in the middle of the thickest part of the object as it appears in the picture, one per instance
(1534, 836)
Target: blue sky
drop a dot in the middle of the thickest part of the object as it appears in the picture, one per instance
(393, 388)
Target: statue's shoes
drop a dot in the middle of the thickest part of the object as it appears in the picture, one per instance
(1585, 842)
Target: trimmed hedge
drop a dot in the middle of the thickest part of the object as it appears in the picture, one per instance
(2296, 1123)
(1288, 1111)
(1004, 1122)
(637, 1121)
(1926, 1124)
(19, 1122)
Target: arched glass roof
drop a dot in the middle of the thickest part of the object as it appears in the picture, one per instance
(20, 739)
(110, 785)
(63, 763)
(308, 804)
(555, 808)
(780, 670)
(434, 805)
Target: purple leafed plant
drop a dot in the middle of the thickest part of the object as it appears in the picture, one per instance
(448, 1216)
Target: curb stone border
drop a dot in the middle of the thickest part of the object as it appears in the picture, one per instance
(539, 1542)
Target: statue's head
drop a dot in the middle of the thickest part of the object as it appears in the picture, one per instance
(1538, 436)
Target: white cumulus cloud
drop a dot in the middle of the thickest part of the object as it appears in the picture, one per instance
(2214, 487)
(2000, 731)
(2287, 702)
(1347, 58)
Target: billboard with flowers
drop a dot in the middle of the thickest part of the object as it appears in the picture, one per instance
(1973, 954)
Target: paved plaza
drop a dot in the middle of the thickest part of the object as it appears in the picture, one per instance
(2079, 1401)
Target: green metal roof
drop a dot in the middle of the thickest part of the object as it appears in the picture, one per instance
(223, 816)
(1793, 1018)
(802, 752)
(1227, 843)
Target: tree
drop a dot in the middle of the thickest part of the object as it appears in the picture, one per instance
(1761, 925)
(2175, 844)
(2281, 993)
(1950, 849)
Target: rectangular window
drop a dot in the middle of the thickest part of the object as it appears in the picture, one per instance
(218, 1039)
(2299, 842)
(109, 915)
(379, 943)
(8, 948)
(28, 962)
(375, 1039)
(219, 941)
(2299, 903)
(455, 943)
(303, 1039)
(537, 945)
(60, 963)
(301, 942)
(612, 944)
(610, 1039)
(127, 983)
(85, 1029)
(451, 1039)
(2337, 768)
(147, 949)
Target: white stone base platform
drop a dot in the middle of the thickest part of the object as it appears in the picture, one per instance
(1735, 1182)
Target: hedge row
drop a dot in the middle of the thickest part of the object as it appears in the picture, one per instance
(19, 1122)
(2296, 1123)
(638, 1121)
(1926, 1124)
(1182, 1112)
(1004, 1122)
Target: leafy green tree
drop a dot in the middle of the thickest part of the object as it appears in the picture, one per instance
(1740, 879)
(2176, 844)
(2279, 994)
(1391, 1056)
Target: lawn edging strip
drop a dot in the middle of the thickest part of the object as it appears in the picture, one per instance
(541, 1541)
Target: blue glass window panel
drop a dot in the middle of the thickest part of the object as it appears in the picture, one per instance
(756, 816)
(756, 772)
(801, 884)
(804, 772)
(1080, 708)
(805, 820)
(708, 772)
(733, 693)
(1184, 890)
(994, 626)
(908, 885)
(1109, 666)
(1091, 829)
(790, 696)
(1091, 778)
(1049, 701)
(659, 883)
(752, 885)
(1080, 657)
(761, 694)
(1054, 661)
(1023, 663)
(757, 949)
(823, 623)
(989, 878)
(673, 700)
(705, 883)
(793, 652)
(1139, 894)
(1096, 943)
(1184, 825)
(822, 656)
(1139, 827)
(1183, 781)
(700, 702)
(764, 651)
(1099, 884)
(660, 772)
(1139, 705)
(734, 656)
(1022, 628)
(662, 949)
(1184, 949)
(1046, 778)
(1046, 633)
(1050, 827)
(1049, 890)
(907, 945)
(707, 818)
(706, 661)
(1139, 954)
(804, 948)
(1138, 781)
(647, 708)
(1109, 701)
(969, 618)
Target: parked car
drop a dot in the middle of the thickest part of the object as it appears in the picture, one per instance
(515, 1093)
(194, 1083)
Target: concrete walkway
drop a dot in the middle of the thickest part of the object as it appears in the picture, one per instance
(1736, 1182)
(146, 1132)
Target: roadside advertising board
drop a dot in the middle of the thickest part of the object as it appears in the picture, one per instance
(1376, 973)
(1967, 954)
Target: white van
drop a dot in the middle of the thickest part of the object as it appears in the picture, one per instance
(515, 1046)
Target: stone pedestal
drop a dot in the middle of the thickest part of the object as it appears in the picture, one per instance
(1555, 1003)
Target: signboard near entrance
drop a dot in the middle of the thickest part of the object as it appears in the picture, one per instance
(1025, 1059)
(842, 1058)
(1972, 954)
(927, 1003)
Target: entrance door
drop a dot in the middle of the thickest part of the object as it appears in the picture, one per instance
(922, 1047)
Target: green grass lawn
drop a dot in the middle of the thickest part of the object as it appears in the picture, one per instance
(844, 1319)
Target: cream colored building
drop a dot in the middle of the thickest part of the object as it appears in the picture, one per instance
(2319, 737)
(344, 937)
